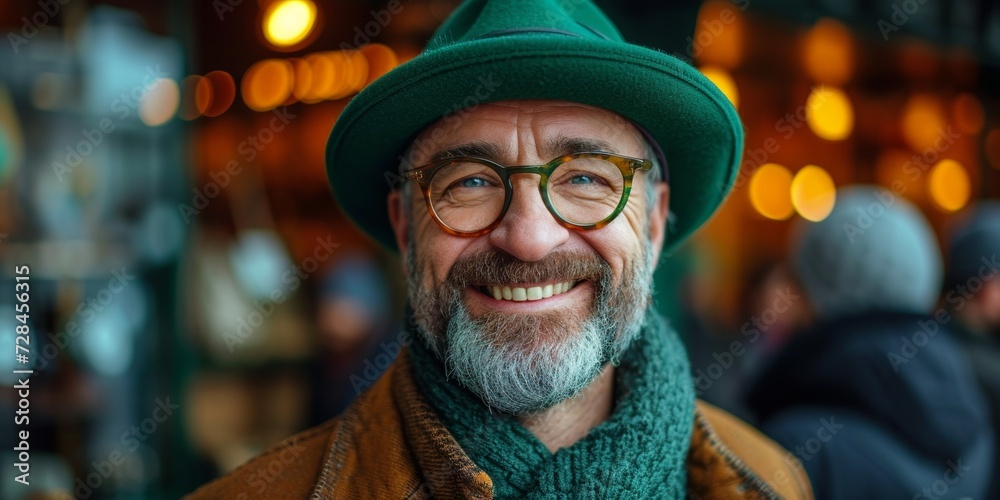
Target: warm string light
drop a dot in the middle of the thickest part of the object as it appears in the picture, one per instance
(287, 23)
(770, 191)
(813, 193)
(270, 83)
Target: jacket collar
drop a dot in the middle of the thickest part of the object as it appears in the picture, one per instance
(390, 443)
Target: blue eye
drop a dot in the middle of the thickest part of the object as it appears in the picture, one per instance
(473, 182)
(581, 179)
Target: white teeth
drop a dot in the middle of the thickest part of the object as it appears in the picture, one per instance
(520, 294)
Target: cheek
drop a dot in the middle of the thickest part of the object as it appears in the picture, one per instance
(437, 252)
(618, 245)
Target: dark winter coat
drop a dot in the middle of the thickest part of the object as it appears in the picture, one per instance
(881, 405)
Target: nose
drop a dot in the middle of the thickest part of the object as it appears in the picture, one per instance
(528, 231)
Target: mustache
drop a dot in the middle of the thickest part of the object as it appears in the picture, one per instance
(496, 266)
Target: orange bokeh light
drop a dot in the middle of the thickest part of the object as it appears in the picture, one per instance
(949, 185)
(220, 94)
(380, 58)
(828, 52)
(267, 84)
(718, 35)
(923, 121)
(770, 191)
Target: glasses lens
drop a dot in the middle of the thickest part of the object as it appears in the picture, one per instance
(586, 190)
(467, 196)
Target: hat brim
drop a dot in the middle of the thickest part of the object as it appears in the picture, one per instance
(690, 119)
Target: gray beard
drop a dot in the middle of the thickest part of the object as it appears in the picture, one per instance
(524, 364)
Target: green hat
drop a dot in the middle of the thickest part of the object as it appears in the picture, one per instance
(497, 50)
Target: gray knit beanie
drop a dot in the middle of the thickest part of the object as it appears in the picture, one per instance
(975, 245)
(875, 251)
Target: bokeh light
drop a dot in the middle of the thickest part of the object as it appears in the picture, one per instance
(302, 81)
(267, 84)
(320, 77)
(923, 121)
(813, 193)
(724, 81)
(289, 22)
(949, 185)
(161, 103)
(216, 93)
(718, 37)
(829, 113)
(828, 52)
(359, 70)
(190, 108)
(338, 85)
(380, 58)
(770, 189)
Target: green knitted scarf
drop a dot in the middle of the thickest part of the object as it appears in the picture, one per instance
(639, 452)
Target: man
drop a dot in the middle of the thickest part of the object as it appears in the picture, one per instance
(534, 145)
(876, 399)
(972, 297)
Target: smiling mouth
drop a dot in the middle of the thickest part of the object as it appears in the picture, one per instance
(521, 293)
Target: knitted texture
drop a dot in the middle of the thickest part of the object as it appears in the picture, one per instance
(638, 452)
(875, 251)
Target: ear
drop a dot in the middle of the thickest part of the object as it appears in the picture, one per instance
(658, 219)
(399, 222)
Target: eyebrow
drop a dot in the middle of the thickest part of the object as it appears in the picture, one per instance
(569, 145)
(478, 149)
(556, 146)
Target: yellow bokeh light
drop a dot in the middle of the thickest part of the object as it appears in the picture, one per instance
(770, 187)
(288, 22)
(724, 81)
(923, 121)
(949, 185)
(828, 52)
(813, 193)
(161, 103)
(829, 113)
(267, 84)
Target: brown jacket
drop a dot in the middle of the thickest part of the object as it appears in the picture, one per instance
(390, 444)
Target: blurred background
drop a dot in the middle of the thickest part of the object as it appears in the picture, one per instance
(196, 296)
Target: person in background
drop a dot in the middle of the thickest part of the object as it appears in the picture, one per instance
(876, 399)
(353, 317)
(972, 297)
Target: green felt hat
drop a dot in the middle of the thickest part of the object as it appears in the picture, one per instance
(497, 50)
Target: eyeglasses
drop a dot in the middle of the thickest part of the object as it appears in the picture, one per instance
(469, 196)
